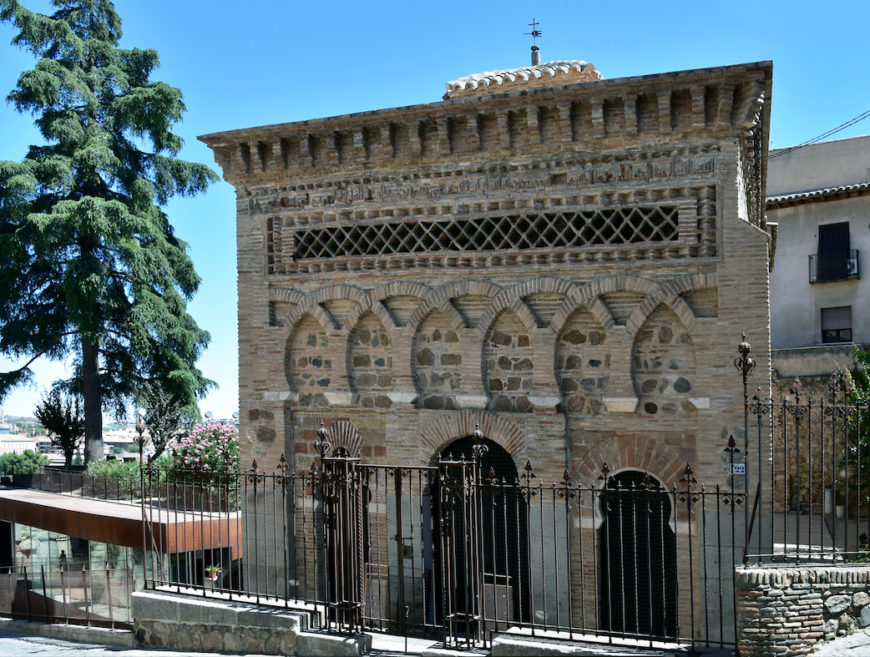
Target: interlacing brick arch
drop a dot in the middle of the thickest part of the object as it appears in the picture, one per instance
(311, 309)
(313, 305)
(507, 301)
(437, 435)
(439, 298)
(589, 297)
(290, 296)
(630, 451)
(286, 294)
(514, 298)
(374, 298)
(370, 304)
(667, 293)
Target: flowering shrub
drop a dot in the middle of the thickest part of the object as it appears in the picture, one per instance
(212, 447)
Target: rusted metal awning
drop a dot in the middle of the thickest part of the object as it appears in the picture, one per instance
(120, 523)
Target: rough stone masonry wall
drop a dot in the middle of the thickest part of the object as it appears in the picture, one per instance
(787, 611)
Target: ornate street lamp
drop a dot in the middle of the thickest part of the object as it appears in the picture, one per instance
(140, 440)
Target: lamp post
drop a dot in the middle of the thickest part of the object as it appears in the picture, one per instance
(745, 364)
(140, 440)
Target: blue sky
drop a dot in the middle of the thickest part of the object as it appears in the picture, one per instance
(271, 61)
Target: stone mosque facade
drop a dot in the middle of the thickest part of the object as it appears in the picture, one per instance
(566, 261)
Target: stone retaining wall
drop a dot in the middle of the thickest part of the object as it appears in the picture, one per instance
(183, 622)
(787, 611)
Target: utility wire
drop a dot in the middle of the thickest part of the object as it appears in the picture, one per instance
(824, 135)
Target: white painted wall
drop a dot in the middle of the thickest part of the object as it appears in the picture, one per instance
(795, 305)
(16, 443)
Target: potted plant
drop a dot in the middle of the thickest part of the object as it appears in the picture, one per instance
(212, 572)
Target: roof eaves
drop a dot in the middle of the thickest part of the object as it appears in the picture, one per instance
(823, 194)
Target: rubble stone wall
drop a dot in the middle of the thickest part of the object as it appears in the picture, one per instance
(788, 611)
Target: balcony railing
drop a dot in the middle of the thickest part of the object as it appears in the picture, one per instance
(834, 266)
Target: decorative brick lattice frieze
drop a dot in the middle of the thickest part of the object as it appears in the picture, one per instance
(358, 197)
(519, 232)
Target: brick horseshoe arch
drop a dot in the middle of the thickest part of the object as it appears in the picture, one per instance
(635, 452)
(443, 430)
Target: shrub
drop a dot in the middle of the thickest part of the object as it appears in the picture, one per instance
(27, 462)
(127, 472)
(211, 448)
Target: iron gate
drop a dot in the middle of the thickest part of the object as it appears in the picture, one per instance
(430, 550)
(459, 551)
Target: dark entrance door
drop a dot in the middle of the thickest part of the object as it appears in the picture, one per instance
(480, 551)
(637, 552)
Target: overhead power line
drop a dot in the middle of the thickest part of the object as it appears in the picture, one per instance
(824, 135)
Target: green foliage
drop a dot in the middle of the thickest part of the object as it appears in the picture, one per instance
(32, 428)
(114, 469)
(855, 386)
(61, 416)
(89, 263)
(27, 462)
(127, 472)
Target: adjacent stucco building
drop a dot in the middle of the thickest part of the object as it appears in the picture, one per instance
(819, 197)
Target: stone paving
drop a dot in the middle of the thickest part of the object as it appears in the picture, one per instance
(854, 645)
(22, 644)
(13, 644)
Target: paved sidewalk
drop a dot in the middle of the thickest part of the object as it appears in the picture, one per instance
(854, 645)
(12, 644)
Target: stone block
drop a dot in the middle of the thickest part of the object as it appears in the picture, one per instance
(860, 599)
(153, 606)
(208, 612)
(837, 604)
(274, 619)
(317, 644)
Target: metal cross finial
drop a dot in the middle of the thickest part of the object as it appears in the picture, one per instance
(535, 33)
(322, 445)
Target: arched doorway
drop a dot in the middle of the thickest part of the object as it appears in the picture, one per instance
(637, 582)
(480, 552)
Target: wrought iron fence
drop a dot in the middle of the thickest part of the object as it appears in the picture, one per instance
(78, 484)
(455, 551)
(813, 460)
(468, 546)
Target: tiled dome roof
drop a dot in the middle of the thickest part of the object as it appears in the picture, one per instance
(568, 72)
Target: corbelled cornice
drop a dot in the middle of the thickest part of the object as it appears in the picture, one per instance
(613, 114)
